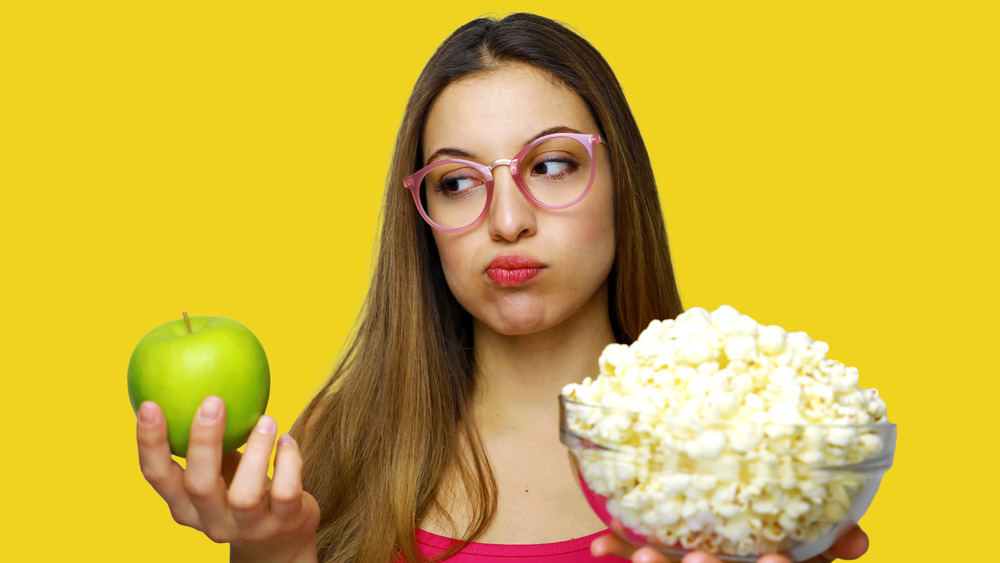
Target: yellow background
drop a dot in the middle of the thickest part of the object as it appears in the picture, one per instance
(828, 167)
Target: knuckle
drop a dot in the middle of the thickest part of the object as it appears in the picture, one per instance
(204, 437)
(245, 501)
(257, 534)
(151, 475)
(218, 535)
(285, 493)
(260, 446)
(181, 518)
(149, 438)
(199, 490)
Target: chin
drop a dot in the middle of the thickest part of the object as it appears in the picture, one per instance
(521, 329)
(517, 326)
(515, 321)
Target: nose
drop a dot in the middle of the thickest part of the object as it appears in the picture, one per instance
(511, 215)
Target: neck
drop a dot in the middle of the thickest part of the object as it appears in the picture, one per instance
(519, 377)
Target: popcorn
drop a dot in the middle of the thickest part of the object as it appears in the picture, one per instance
(729, 430)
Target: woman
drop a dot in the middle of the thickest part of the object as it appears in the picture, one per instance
(493, 288)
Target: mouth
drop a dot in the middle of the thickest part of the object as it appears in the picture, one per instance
(513, 270)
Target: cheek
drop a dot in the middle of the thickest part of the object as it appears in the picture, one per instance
(597, 238)
(602, 246)
(453, 259)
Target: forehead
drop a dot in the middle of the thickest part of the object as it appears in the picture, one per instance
(499, 110)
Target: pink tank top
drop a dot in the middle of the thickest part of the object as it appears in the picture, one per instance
(572, 551)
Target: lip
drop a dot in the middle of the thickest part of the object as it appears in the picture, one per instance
(513, 270)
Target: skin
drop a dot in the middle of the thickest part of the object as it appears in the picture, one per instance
(530, 342)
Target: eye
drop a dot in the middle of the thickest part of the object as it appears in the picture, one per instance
(457, 185)
(555, 168)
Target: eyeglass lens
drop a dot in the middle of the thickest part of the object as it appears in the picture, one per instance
(555, 172)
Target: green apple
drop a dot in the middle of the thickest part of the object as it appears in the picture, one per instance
(179, 363)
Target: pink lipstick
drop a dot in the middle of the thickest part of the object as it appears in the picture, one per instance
(512, 270)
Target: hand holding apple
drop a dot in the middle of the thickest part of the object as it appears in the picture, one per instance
(230, 497)
(179, 363)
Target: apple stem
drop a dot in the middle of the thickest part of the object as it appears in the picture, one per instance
(187, 321)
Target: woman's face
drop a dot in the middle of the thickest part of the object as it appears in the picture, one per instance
(523, 269)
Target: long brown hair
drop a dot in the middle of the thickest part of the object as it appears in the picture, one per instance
(379, 436)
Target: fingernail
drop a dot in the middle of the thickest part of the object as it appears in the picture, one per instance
(146, 413)
(286, 440)
(209, 410)
(266, 424)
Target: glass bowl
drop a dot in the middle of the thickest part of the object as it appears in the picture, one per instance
(735, 489)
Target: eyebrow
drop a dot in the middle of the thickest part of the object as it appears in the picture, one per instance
(459, 153)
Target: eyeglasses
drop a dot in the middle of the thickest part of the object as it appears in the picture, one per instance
(553, 172)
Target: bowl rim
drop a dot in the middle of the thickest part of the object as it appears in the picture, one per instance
(875, 426)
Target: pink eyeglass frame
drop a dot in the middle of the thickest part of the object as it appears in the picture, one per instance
(413, 181)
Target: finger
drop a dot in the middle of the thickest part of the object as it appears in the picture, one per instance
(611, 544)
(203, 479)
(248, 499)
(160, 470)
(699, 557)
(773, 558)
(649, 555)
(851, 545)
(286, 488)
